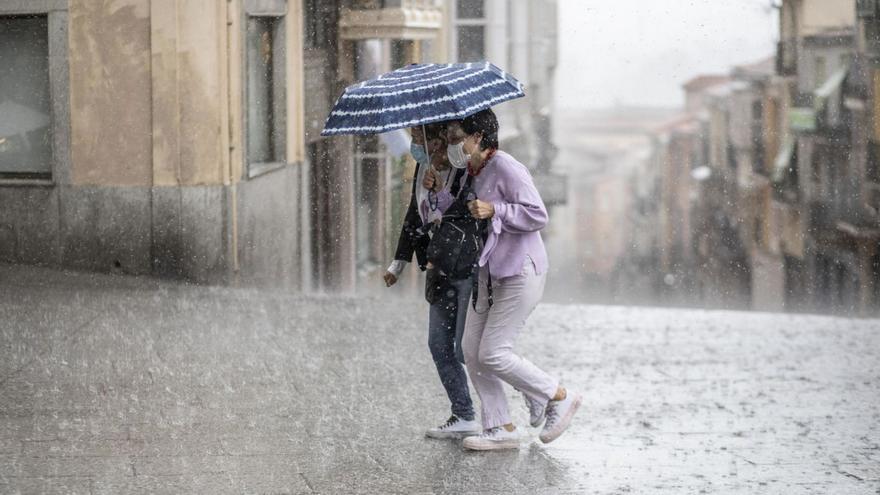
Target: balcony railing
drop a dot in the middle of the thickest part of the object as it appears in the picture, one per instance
(391, 19)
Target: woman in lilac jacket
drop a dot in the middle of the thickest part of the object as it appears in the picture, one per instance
(514, 264)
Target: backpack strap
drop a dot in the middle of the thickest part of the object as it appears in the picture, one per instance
(475, 273)
(475, 289)
(484, 229)
(415, 178)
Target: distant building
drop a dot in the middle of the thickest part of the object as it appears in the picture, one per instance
(695, 90)
(860, 226)
(786, 214)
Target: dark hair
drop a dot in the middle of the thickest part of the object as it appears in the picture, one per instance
(484, 122)
(437, 130)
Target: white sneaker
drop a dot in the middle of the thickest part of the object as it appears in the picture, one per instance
(559, 414)
(455, 427)
(536, 411)
(496, 438)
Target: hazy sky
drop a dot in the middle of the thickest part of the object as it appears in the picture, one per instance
(639, 52)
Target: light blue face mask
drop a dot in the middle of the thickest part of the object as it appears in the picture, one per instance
(418, 153)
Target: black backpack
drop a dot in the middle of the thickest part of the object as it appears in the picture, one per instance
(457, 240)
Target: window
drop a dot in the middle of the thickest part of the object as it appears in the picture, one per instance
(873, 201)
(758, 136)
(25, 103)
(821, 71)
(731, 157)
(789, 187)
(792, 178)
(401, 53)
(866, 8)
(266, 102)
(471, 43)
(426, 51)
(816, 176)
(470, 30)
(871, 28)
(470, 9)
(315, 24)
(872, 172)
(372, 184)
(875, 274)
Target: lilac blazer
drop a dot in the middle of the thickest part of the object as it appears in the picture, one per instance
(519, 216)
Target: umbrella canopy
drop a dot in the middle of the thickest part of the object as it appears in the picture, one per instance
(420, 94)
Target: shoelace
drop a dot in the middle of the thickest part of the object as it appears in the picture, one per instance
(491, 432)
(534, 406)
(552, 415)
(449, 422)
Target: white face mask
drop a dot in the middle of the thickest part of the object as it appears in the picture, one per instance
(456, 155)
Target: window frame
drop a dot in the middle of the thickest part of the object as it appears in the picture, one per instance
(458, 22)
(279, 10)
(56, 12)
(872, 162)
(866, 9)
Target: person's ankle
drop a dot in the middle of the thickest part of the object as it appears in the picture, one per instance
(509, 427)
(561, 393)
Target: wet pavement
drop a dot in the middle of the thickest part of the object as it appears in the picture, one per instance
(130, 385)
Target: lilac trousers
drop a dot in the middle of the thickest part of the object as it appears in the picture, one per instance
(489, 336)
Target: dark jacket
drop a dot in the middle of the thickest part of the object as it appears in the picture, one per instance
(411, 239)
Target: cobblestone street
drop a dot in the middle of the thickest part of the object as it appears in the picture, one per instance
(119, 385)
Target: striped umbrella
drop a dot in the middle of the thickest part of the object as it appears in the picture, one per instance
(420, 94)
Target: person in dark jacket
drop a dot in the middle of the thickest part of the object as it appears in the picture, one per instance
(434, 184)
